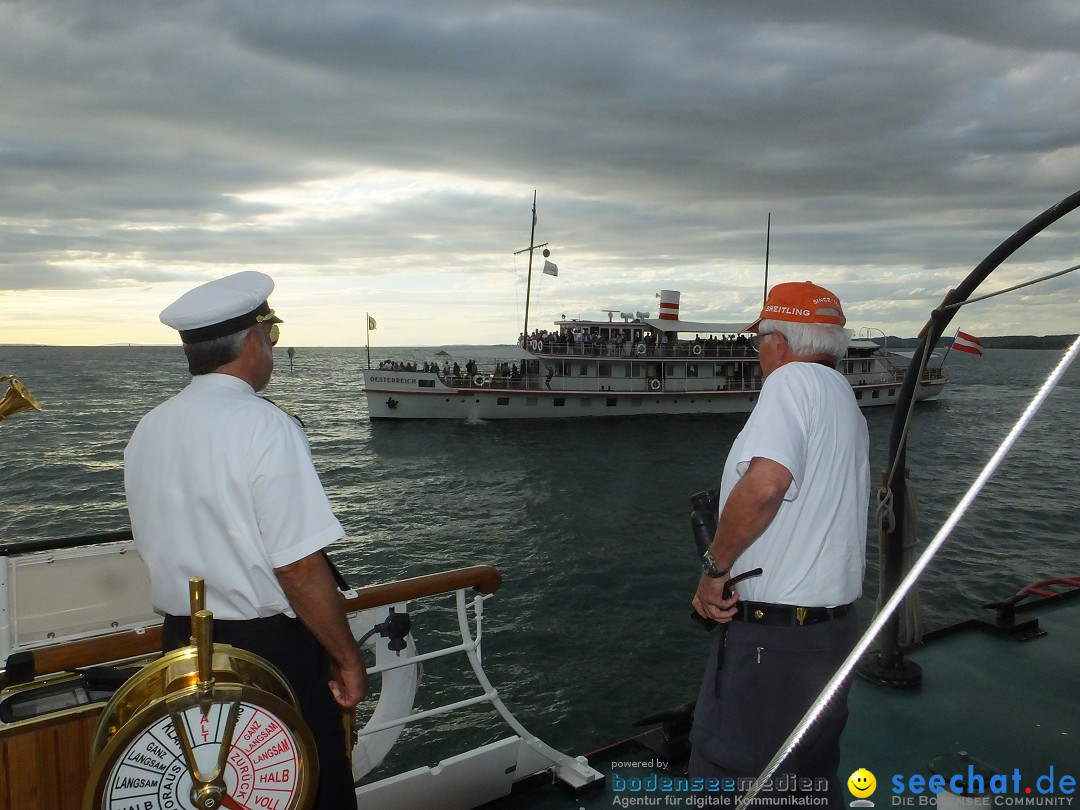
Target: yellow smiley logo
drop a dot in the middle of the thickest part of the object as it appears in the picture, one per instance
(861, 783)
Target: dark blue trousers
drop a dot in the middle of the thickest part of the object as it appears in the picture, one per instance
(747, 708)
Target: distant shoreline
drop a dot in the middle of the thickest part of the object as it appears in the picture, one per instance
(1003, 342)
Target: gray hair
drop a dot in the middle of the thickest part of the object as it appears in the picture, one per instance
(808, 339)
(207, 356)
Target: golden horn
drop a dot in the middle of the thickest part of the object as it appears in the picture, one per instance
(17, 398)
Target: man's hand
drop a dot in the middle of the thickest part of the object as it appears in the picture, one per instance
(709, 601)
(348, 685)
(310, 587)
(750, 508)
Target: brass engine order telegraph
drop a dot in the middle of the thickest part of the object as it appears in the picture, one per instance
(205, 727)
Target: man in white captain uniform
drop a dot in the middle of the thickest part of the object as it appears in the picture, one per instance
(220, 484)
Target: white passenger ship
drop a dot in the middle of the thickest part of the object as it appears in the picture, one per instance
(636, 365)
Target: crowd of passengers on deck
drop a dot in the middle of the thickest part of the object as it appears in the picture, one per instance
(625, 343)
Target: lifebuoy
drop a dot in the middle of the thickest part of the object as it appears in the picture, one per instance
(654, 384)
(396, 695)
(478, 380)
(641, 348)
(697, 350)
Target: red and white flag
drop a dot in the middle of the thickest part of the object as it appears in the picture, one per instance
(963, 342)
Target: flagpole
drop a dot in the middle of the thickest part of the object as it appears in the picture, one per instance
(947, 348)
(768, 234)
(367, 336)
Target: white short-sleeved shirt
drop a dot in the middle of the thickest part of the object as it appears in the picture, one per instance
(814, 551)
(220, 485)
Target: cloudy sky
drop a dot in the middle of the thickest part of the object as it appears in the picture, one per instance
(382, 157)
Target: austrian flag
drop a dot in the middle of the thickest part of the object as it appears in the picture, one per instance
(963, 342)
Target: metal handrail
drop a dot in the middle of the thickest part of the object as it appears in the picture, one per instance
(574, 770)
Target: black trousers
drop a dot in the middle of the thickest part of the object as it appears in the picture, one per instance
(291, 647)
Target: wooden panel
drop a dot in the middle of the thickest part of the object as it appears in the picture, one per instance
(100, 650)
(45, 763)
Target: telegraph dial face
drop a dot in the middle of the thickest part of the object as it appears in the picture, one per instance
(242, 750)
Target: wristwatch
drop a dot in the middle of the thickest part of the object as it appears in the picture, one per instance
(708, 565)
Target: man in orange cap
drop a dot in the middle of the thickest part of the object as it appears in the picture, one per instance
(793, 502)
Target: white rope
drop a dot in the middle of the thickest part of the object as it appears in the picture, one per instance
(1014, 288)
(910, 625)
(829, 692)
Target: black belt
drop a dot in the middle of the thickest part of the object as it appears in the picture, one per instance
(176, 630)
(787, 615)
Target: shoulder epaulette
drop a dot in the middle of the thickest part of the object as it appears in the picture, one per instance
(289, 411)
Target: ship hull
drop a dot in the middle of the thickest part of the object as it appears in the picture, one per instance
(404, 395)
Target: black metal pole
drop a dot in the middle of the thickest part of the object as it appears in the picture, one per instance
(890, 667)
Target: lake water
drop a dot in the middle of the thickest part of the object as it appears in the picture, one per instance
(586, 519)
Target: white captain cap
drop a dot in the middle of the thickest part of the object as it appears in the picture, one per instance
(222, 307)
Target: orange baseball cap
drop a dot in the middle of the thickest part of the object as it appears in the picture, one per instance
(801, 302)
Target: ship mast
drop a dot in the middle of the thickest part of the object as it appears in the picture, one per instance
(532, 246)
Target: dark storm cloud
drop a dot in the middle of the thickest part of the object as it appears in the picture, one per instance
(894, 143)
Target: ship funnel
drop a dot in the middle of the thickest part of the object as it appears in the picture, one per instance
(669, 305)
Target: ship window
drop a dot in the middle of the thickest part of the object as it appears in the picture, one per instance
(583, 369)
(875, 394)
(503, 401)
(426, 383)
(691, 369)
(892, 392)
(558, 402)
(611, 402)
(858, 395)
(605, 370)
(635, 369)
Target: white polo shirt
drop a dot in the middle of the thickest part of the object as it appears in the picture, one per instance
(814, 552)
(220, 485)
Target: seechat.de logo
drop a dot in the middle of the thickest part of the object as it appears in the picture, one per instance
(862, 785)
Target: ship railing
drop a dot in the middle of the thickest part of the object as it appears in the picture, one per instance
(896, 374)
(529, 382)
(647, 351)
(490, 769)
(700, 385)
(642, 384)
